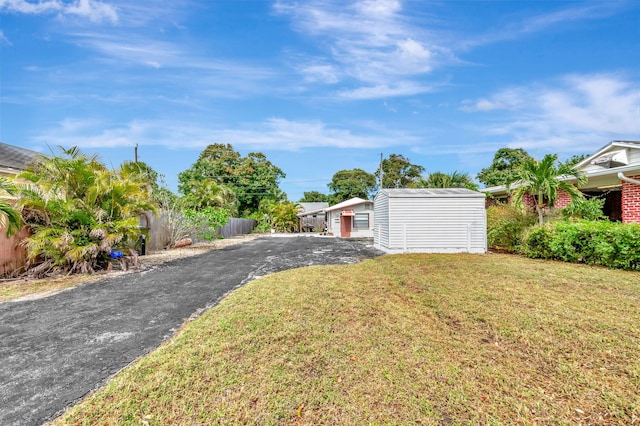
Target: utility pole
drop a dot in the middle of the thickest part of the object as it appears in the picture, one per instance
(381, 171)
(135, 153)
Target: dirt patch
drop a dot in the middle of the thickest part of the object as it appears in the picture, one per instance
(162, 256)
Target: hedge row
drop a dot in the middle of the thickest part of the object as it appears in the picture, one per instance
(603, 243)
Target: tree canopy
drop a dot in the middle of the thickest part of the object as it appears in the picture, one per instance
(447, 180)
(252, 178)
(314, 197)
(347, 184)
(399, 172)
(502, 169)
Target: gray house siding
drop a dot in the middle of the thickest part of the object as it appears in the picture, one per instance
(430, 221)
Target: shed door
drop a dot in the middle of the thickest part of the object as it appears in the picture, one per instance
(345, 226)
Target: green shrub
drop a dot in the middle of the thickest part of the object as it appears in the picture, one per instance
(590, 209)
(602, 243)
(506, 226)
(206, 222)
(537, 242)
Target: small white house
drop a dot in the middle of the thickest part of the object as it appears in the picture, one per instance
(351, 218)
(430, 220)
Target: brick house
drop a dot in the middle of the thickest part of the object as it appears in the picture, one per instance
(614, 175)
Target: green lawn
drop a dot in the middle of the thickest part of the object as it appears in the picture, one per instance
(405, 339)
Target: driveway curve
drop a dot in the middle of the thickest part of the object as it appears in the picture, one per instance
(55, 350)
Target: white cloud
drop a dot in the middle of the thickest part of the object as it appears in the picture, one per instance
(4, 39)
(323, 73)
(508, 99)
(516, 28)
(369, 42)
(94, 10)
(575, 113)
(403, 88)
(271, 134)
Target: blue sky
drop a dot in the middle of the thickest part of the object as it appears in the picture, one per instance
(319, 85)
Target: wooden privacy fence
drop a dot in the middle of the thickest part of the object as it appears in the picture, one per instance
(12, 255)
(159, 235)
(236, 226)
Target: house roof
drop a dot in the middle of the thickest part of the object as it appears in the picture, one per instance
(611, 146)
(432, 193)
(349, 203)
(312, 207)
(598, 175)
(13, 157)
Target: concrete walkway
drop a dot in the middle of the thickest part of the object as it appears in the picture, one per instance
(55, 350)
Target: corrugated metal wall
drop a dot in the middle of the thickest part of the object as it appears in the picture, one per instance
(381, 220)
(437, 224)
(430, 224)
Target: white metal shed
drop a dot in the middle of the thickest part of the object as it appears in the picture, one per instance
(430, 220)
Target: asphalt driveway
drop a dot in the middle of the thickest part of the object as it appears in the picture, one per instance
(55, 350)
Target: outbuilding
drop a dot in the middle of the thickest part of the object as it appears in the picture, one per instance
(430, 220)
(352, 218)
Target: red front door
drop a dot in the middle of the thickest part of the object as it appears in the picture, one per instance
(345, 226)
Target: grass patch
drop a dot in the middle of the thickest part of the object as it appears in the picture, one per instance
(15, 289)
(406, 339)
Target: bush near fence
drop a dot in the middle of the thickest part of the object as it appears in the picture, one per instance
(159, 236)
(611, 244)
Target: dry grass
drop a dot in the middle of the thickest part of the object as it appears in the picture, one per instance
(407, 339)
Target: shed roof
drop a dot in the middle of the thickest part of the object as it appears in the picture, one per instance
(14, 157)
(431, 193)
(351, 202)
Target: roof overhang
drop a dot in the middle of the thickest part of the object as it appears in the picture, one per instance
(610, 147)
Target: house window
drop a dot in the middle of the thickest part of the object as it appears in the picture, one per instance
(361, 221)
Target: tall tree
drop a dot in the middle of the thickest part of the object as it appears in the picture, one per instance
(252, 178)
(208, 193)
(447, 180)
(542, 181)
(314, 197)
(574, 160)
(399, 172)
(347, 184)
(502, 169)
(9, 215)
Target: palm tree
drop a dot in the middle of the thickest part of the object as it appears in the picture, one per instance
(543, 181)
(9, 216)
(78, 211)
(285, 216)
(447, 180)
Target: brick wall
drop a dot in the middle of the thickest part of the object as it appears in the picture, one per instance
(631, 201)
(529, 202)
(563, 200)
